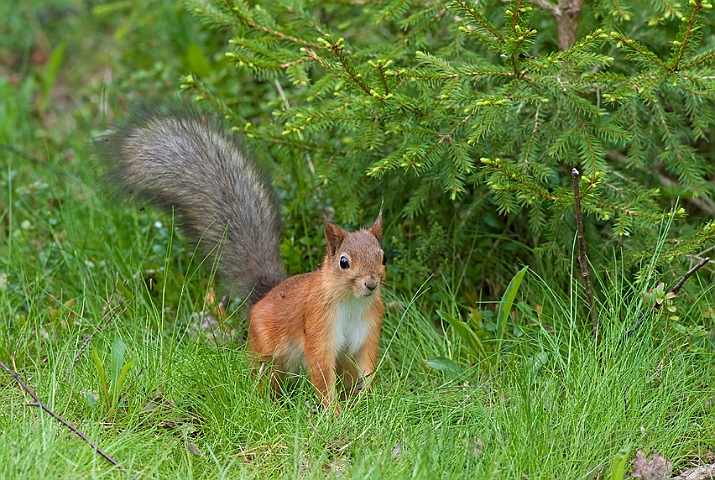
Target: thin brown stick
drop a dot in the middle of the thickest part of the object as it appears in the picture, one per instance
(20, 153)
(582, 259)
(315, 430)
(687, 275)
(38, 403)
(675, 289)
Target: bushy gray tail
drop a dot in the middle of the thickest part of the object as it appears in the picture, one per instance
(182, 160)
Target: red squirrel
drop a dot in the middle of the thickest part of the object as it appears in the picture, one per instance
(327, 321)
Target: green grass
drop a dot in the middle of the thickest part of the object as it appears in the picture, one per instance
(563, 414)
(554, 406)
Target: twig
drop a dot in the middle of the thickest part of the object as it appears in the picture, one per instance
(20, 153)
(675, 289)
(582, 260)
(315, 430)
(38, 403)
(688, 274)
(355, 78)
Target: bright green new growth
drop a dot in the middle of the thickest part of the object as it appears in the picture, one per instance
(505, 305)
(111, 388)
(620, 461)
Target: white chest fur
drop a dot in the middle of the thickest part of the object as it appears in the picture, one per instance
(351, 326)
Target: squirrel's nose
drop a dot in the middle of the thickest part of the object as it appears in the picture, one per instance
(371, 284)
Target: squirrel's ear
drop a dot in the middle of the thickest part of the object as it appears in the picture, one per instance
(334, 236)
(376, 228)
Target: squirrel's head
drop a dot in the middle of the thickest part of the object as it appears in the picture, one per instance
(355, 260)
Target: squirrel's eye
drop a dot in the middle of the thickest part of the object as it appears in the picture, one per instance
(384, 259)
(344, 264)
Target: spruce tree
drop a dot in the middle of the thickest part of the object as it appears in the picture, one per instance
(455, 109)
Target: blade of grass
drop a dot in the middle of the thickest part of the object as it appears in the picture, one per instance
(507, 301)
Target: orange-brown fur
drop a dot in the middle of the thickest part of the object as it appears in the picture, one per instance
(300, 321)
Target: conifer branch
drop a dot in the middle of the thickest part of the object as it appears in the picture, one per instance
(582, 258)
(317, 58)
(704, 236)
(194, 84)
(540, 107)
(688, 35)
(699, 59)
(337, 49)
(627, 211)
(621, 11)
(261, 64)
(532, 136)
(705, 204)
(497, 165)
(413, 33)
(671, 8)
(312, 22)
(515, 66)
(480, 20)
(421, 74)
(293, 63)
(582, 45)
(515, 16)
(640, 49)
(341, 58)
(214, 14)
(381, 68)
(250, 22)
(301, 146)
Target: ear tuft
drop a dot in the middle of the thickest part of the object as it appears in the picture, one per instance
(376, 228)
